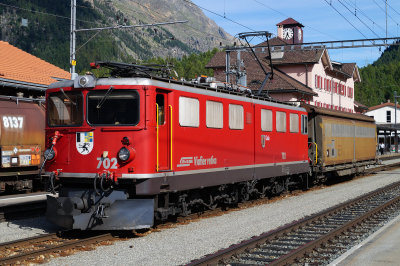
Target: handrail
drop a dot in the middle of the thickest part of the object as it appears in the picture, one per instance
(316, 151)
(157, 166)
(170, 107)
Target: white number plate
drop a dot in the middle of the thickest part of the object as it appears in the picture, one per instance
(13, 121)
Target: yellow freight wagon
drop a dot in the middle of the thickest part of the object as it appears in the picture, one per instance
(340, 143)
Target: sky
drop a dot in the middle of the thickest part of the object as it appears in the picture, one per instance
(323, 20)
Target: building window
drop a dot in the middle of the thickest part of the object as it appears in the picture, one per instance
(389, 116)
(316, 84)
(236, 116)
(214, 114)
(189, 115)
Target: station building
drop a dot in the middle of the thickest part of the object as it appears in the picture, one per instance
(387, 120)
(299, 75)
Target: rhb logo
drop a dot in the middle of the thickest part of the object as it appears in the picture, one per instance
(185, 161)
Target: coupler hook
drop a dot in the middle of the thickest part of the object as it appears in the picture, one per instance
(100, 212)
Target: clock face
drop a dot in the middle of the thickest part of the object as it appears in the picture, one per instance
(299, 34)
(287, 33)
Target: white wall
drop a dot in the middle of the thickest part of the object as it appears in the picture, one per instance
(380, 114)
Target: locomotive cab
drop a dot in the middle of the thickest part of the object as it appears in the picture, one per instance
(102, 127)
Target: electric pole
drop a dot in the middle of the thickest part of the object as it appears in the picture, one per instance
(72, 60)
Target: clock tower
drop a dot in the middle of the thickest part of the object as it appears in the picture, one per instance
(291, 31)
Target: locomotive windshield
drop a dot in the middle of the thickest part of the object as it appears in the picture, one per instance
(120, 107)
(65, 108)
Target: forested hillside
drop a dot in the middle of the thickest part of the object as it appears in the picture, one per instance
(381, 79)
(47, 34)
(188, 67)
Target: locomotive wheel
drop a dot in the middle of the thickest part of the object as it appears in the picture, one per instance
(244, 194)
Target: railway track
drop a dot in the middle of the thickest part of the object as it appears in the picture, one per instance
(41, 248)
(315, 240)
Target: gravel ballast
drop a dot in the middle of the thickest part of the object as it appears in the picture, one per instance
(23, 228)
(180, 245)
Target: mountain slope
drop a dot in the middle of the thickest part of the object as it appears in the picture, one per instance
(47, 36)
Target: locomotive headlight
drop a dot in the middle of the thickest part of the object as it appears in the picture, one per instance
(126, 154)
(50, 154)
(83, 81)
(123, 154)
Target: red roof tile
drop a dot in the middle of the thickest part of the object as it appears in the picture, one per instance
(16, 64)
(380, 106)
(289, 21)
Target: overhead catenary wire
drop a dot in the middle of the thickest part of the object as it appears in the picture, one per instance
(385, 12)
(391, 7)
(365, 15)
(346, 19)
(358, 18)
(220, 16)
(183, 25)
(289, 16)
(44, 13)
(303, 24)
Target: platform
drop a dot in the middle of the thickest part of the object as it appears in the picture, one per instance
(379, 249)
(23, 198)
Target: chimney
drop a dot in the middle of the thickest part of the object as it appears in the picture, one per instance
(388, 100)
(280, 31)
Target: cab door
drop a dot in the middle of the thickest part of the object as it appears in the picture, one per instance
(163, 132)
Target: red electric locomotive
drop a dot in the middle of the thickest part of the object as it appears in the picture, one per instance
(136, 147)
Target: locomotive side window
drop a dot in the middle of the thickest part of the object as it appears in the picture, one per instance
(304, 124)
(161, 109)
(280, 121)
(294, 123)
(214, 114)
(266, 120)
(189, 114)
(65, 108)
(116, 107)
(236, 116)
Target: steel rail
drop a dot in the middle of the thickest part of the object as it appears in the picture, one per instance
(255, 242)
(27, 241)
(49, 249)
(293, 256)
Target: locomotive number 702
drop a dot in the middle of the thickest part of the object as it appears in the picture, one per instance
(107, 163)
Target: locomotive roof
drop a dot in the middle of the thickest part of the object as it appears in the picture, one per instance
(330, 112)
(180, 85)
